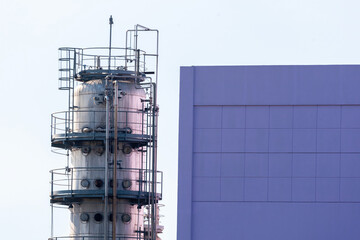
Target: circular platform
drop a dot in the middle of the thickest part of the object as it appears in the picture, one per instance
(67, 197)
(68, 140)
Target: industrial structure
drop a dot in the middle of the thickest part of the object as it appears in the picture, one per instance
(110, 183)
(269, 152)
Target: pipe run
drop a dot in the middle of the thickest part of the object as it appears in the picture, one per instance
(107, 117)
(114, 203)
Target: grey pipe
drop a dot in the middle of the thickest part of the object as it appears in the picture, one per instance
(154, 168)
(111, 22)
(116, 97)
(107, 100)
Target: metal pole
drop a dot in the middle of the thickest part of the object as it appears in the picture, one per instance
(126, 49)
(116, 98)
(157, 56)
(154, 168)
(136, 36)
(72, 90)
(52, 220)
(68, 74)
(111, 22)
(52, 184)
(71, 184)
(107, 102)
(155, 119)
(137, 63)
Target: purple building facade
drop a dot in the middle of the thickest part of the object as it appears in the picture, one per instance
(269, 152)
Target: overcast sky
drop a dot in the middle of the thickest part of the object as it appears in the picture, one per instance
(193, 32)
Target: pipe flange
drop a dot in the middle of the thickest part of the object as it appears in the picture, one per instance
(127, 149)
(126, 218)
(86, 150)
(98, 183)
(126, 184)
(85, 183)
(84, 217)
(98, 217)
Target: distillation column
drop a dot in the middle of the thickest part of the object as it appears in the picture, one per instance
(89, 158)
(110, 126)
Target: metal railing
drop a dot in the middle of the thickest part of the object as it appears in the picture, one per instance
(96, 237)
(72, 61)
(68, 123)
(67, 181)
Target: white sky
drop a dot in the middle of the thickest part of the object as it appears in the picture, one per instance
(227, 32)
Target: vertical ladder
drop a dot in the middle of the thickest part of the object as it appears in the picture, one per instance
(67, 72)
(66, 68)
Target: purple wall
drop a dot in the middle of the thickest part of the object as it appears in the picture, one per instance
(269, 152)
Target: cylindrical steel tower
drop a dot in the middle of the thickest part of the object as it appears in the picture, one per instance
(109, 133)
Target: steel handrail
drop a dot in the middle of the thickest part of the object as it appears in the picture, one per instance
(74, 60)
(82, 237)
(66, 172)
(60, 121)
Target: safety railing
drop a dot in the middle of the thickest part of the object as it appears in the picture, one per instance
(97, 58)
(96, 237)
(71, 181)
(66, 124)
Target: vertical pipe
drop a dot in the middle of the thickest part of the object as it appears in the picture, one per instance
(138, 223)
(147, 164)
(126, 49)
(72, 179)
(98, 62)
(66, 123)
(136, 37)
(67, 158)
(52, 205)
(137, 64)
(115, 160)
(111, 22)
(107, 102)
(142, 153)
(136, 54)
(157, 56)
(154, 167)
(69, 79)
(52, 183)
(52, 126)
(72, 87)
(52, 220)
(82, 60)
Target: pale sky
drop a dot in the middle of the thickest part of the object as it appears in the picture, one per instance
(226, 32)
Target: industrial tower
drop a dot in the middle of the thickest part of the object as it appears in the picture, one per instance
(110, 183)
